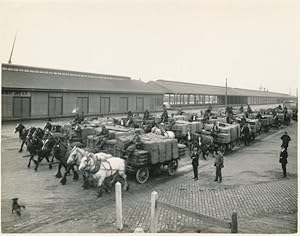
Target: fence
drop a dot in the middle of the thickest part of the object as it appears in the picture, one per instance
(233, 225)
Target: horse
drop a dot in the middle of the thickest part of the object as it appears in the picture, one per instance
(61, 152)
(34, 146)
(75, 158)
(45, 152)
(112, 167)
(23, 132)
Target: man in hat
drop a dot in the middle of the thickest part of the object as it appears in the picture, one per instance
(283, 161)
(195, 162)
(103, 136)
(285, 140)
(219, 164)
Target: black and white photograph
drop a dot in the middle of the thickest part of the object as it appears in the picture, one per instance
(161, 116)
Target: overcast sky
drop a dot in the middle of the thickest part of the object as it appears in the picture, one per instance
(251, 42)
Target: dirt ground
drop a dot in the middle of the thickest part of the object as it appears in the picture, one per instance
(49, 205)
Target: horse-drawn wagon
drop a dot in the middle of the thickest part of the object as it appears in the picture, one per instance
(156, 151)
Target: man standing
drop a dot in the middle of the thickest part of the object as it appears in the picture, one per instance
(285, 140)
(164, 116)
(195, 162)
(219, 164)
(283, 161)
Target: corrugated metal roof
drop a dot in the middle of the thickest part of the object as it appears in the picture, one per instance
(192, 88)
(51, 81)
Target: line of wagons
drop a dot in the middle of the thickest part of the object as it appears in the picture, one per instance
(162, 147)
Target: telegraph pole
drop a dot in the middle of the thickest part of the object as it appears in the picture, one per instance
(12, 50)
(226, 93)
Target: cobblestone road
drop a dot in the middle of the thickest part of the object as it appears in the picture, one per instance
(253, 190)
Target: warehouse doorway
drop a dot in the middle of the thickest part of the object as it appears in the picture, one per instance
(82, 104)
(55, 106)
(21, 107)
(140, 104)
(123, 104)
(104, 105)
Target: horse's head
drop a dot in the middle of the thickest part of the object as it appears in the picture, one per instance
(85, 163)
(19, 127)
(49, 143)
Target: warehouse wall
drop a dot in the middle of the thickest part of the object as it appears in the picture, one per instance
(39, 104)
(7, 106)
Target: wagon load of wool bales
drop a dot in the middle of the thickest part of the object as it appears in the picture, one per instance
(254, 125)
(266, 120)
(180, 128)
(160, 148)
(232, 130)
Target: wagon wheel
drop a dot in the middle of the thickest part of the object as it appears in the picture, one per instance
(142, 175)
(172, 167)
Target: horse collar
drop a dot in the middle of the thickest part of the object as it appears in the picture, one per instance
(97, 168)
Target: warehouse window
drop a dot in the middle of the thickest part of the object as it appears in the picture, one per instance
(123, 104)
(172, 99)
(191, 99)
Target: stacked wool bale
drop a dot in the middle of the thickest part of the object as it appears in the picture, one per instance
(109, 146)
(91, 141)
(254, 124)
(139, 157)
(228, 132)
(85, 132)
(160, 148)
(180, 128)
(266, 120)
(180, 117)
(181, 150)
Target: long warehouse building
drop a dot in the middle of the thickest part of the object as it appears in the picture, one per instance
(32, 92)
(191, 94)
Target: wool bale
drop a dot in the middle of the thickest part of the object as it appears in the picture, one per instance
(179, 117)
(168, 149)
(193, 127)
(161, 152)
(175, 153)
(199, 126)
(224, 130)
(223, 138)
(85, 132)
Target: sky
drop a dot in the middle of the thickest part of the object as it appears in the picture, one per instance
(252, 43)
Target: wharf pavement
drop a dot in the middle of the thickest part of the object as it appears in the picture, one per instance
(251, 185)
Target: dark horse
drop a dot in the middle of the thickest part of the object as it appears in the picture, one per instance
(23, 132)
(61, 153)
(34, 146)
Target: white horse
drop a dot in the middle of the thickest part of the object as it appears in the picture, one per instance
(111, 167)
(75, 158)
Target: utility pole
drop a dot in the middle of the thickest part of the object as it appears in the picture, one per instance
(226, 93)
(12, 50)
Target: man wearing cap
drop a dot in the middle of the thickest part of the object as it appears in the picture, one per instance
(285, 140)
(219, 164)
(283, 161)
(195, 162)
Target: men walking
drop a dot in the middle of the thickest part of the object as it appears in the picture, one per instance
(283, 161)
(195, 162)
(285, 140)
(219, 164)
